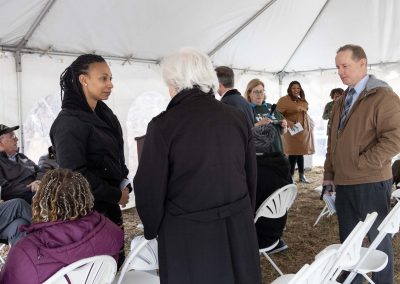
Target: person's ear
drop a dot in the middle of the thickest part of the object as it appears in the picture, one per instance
(83, 79)
(363, 62)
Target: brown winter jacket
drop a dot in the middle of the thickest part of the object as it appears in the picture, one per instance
(301, 143)
(362, 151)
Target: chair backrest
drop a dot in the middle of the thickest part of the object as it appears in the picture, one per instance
(147, 257)
(391, 223)
(99, 269)
(396, 194)
(318, 270)
(350, 250)
(278, 203)
(3, 243)
(330, 203)
(143, 256)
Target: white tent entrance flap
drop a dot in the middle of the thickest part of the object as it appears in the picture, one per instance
(277, 41)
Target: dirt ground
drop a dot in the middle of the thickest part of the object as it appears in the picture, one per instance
(304, 240)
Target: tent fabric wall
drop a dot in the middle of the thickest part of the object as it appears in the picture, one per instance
(8, 90)
(139, 94)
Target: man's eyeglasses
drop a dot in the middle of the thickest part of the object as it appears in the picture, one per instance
(258, 92)
(12, 135)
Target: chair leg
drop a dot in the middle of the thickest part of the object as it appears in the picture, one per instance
(323, 213)
(350, 277)
(273, 263)
(368, 279)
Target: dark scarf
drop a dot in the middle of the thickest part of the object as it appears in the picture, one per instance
(77, 101)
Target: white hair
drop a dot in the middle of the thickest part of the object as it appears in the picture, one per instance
(188, 68)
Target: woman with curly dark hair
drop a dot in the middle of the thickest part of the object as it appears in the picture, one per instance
(64, 229)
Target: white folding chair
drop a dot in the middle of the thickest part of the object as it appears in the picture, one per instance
(276, 206)
(349, 251)
(396, 194)
(99, 269)
(329, 208)
(313, 273)
(141, 264)
(3, 244)
(373, 260)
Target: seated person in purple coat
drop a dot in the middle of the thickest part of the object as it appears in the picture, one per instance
(19, 176)
(64, 229)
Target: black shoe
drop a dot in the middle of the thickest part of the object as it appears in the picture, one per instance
(281, 247)
(303, 179)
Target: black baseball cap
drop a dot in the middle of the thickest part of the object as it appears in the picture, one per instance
(4, 129)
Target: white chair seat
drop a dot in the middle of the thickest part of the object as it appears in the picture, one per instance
(376, 261)
(137, 276)
(330, 247)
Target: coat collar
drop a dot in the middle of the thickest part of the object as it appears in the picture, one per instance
(232, 92)
(186, 94)
(94, 117)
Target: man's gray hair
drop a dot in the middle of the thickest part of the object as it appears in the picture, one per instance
(188, 68)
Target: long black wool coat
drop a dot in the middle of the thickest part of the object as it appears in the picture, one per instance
(195, 187)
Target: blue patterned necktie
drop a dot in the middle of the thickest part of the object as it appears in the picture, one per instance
(347, 105)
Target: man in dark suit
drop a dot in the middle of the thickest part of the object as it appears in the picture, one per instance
(231, 96)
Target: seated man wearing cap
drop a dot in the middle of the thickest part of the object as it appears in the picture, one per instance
(19, 176)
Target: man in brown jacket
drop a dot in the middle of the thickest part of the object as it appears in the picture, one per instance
(364, 136)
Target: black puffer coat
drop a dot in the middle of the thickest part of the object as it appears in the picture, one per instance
(92, 143)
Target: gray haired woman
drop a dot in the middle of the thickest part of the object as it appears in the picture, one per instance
(196, 181)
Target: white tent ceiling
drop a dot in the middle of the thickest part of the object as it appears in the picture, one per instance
(266, 35)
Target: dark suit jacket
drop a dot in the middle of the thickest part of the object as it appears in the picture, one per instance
(235, 99)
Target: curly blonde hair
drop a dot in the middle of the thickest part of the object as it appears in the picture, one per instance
(62, 195)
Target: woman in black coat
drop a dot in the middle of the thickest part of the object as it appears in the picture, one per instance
(87, 136)
(196, 181)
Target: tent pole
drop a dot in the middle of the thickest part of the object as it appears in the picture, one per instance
(18, 69)
(306, 34)
(280, 76)
(239, 29)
